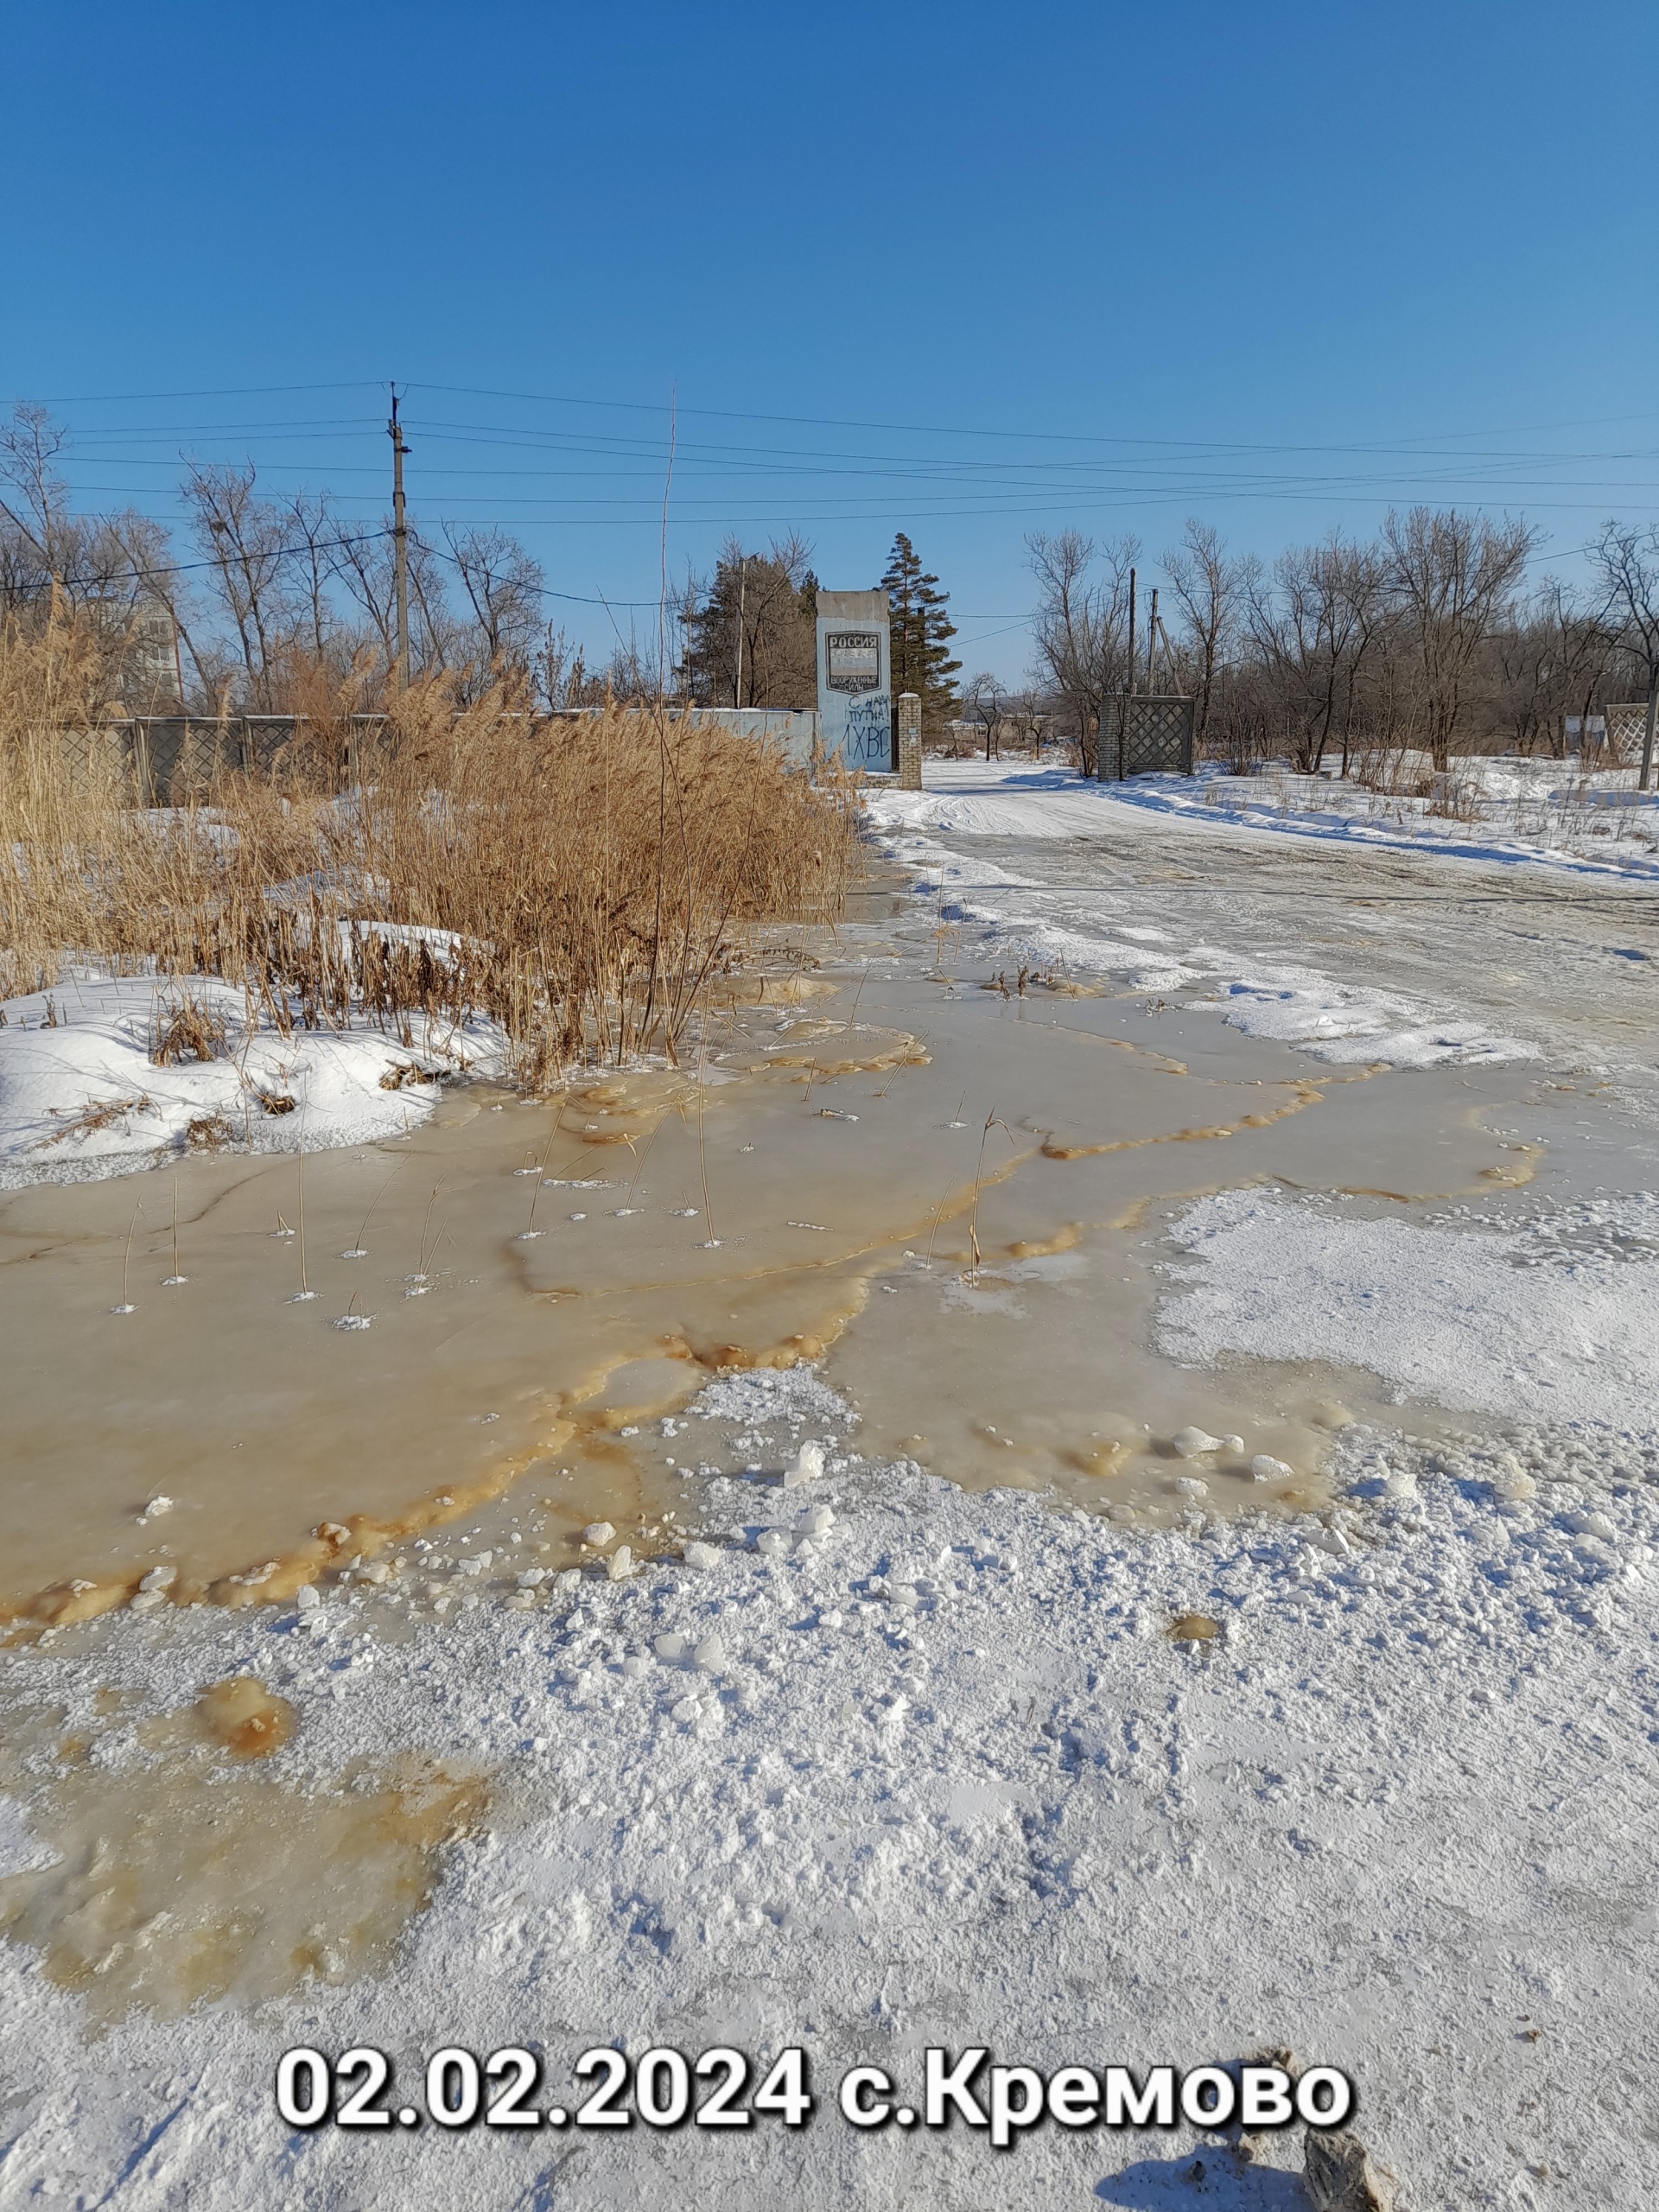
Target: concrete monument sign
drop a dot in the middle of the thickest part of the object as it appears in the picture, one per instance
(855, 680)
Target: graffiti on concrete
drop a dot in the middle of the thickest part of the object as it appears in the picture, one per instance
(868, 740)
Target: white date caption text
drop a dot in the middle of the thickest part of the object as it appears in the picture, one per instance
(723, 2088)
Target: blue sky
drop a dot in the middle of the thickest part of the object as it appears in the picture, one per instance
(965, 271)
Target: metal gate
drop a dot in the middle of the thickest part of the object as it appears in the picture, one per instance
(1144, 734)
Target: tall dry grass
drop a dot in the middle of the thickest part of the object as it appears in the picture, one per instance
(578, 881)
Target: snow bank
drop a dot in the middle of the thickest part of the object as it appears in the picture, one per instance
(1555, 1321)
(80, 1097)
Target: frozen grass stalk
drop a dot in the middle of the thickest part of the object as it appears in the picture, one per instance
(126, 1305)
(575, 879)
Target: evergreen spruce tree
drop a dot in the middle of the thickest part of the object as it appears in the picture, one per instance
(920, 630)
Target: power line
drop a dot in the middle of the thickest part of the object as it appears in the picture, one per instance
(543, 591)
(186, 567)
(224, 391)
(820, 422)
(942, 431)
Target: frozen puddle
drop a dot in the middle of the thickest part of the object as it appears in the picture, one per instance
(230, 1382)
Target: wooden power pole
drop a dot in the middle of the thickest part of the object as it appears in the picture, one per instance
(399, 543)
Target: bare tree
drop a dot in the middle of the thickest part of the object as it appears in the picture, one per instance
(1451, 575)
(363, 567)
(244, 540)
(1549, 661)
(40, 548)
(1081, 627)
(504, 585)
(1207, 589)
(981, 701)
(312, 526)
(115, 569)
(1312, 624)
(1627, 562)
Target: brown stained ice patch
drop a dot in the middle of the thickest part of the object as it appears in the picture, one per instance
(1194, 1628)
(166, 1891)
(774, 990)
(949, 1203)
(246, 1717)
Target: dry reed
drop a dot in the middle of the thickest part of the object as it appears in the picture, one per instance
(579, 881)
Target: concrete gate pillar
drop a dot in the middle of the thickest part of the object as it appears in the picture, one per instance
(909, 741)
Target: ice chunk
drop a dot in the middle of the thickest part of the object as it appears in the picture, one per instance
(634, 1666)
(1593, 1524)
(702, 1556)
(1401, 1483)
(156, 1506)
(709, 1655)
(306, 1597)
(1266, 1469)
(771, 1541)
(159, 1578)
(532, 1577)
(670, 1646)
(570, 1579)
(145, 1601)
(815, 1521)
(1192, 1486)
(620, 1563)
(377, 1571)
(808, 1466)
(687, 1709)
(1194, 1443)
(597, 1532)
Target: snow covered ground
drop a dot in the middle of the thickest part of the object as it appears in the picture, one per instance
(1504, 811)
(82, 1094)
(1452, 1313)
(942, 1776)
(931, 1768)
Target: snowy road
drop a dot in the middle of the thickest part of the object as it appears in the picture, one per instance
(1058, 868)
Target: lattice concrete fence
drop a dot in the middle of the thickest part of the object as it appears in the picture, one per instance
(172, 759)
(1145, 733)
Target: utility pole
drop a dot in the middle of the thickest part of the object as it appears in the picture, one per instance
(1129, 689)
(1152, 645)
(399, 544)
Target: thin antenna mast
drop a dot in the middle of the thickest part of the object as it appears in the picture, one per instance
(742, 591)
(399, 542)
